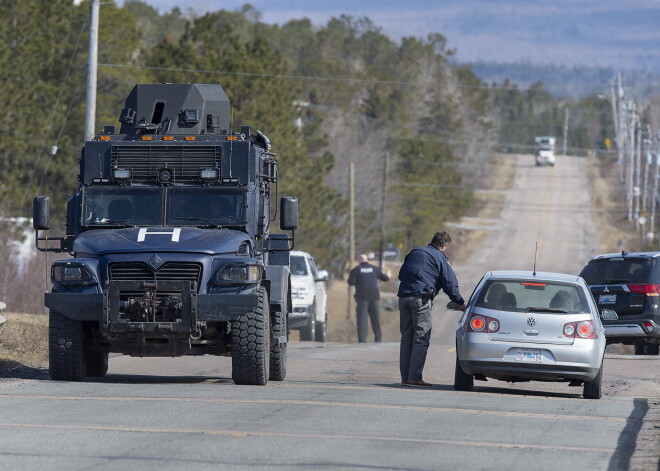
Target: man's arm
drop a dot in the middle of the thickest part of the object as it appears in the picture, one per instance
(383, 276)
(352, 277)
(449, 284)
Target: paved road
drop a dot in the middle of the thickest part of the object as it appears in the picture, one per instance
(341, 406)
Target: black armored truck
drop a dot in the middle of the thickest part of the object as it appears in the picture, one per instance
(170, 236)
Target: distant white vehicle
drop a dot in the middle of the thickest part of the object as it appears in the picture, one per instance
(3, 306)
(308, 298)
(544, 153)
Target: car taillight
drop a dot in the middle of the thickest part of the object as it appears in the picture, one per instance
(649, 326)
(480, 323)
(649, 290)
(581, 330)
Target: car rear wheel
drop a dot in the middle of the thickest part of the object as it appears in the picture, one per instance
(462, 380)
(322, 330)
(593, 388)
(650, 349)
(308, 333)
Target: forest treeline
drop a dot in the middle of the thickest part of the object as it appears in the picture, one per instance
(326, 95)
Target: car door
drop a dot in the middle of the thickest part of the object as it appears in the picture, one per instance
(321, 295)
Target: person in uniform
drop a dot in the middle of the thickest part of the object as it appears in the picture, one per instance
(367, 297)
(425, 271)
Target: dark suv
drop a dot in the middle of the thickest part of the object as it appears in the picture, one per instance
(628, 283)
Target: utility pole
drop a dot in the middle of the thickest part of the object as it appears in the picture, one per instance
(656, 151)
(92, 61)
(382, 208)
(630, 125)
(565, 130)
(351, 232)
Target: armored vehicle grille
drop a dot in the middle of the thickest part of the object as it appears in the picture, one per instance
(170, 271)
(144, 161)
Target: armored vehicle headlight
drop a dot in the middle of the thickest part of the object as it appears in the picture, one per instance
(70, 274)
(246, 273)
(121, 174)
(209, 174)
(166, 176)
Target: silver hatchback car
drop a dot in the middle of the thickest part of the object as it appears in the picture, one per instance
(522, 326)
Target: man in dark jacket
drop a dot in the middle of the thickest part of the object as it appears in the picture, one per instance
(425, 271)
(367, 295)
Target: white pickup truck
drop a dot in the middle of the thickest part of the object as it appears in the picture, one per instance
(308, 297)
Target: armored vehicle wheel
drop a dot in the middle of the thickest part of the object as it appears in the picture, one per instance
(278, 356)
(462, 380)
(250, 345)
(308, 333)
(97, 364)
(322, 330)
(592, 389)
(67, 360)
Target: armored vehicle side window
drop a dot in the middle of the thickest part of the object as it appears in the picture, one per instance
(217, 206)
(132, 206)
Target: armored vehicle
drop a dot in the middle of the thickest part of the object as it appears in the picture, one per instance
(170, 234)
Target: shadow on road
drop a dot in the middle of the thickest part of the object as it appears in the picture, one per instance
(627, 444)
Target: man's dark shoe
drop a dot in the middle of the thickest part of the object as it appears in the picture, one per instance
(404, 383)
(419, 384)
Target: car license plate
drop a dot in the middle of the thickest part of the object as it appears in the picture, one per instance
(529, 354)
(607, 299)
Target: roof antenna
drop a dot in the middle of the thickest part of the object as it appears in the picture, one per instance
(536, 252)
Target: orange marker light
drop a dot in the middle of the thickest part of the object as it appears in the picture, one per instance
(190, 138)
(104, 138)
(146, 138)
(232, 138)
(168, 138)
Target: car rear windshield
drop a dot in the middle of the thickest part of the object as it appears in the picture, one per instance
(617, 270)
(533, 296)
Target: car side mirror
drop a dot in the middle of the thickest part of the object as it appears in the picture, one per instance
(323, 275)
(41, 213)
(289, 213)
(609, 315)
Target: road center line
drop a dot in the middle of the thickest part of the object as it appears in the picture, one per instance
(296, 402)
(246, 433)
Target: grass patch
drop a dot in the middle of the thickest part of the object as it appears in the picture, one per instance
(23, 342)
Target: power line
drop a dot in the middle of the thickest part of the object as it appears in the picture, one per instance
(323, 79)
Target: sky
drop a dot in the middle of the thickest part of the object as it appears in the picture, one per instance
(623, 34)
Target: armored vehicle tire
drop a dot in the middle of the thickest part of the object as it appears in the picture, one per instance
(278, 356)
(250, 345)
(67, 359)
(97, 364)
(322, 330)
(308, 333)
(592, 389)
(462, 380)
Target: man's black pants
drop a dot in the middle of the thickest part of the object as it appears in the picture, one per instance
(370, 309)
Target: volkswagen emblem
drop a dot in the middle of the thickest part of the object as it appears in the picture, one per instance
(531, 321)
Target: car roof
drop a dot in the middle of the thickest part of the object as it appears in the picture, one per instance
(300, 253)
(625, 254)
(528, 275)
